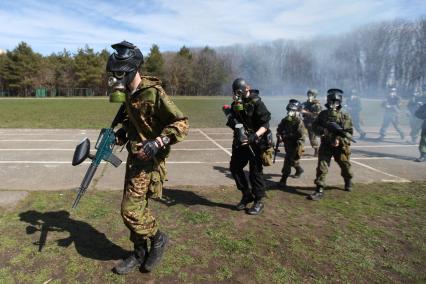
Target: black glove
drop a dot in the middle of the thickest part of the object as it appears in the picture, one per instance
(253, 138)
(120, 137)
(149, 149)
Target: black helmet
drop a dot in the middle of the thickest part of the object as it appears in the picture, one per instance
(127, 58)
(293, 105)
(239, 86)
(313, 92)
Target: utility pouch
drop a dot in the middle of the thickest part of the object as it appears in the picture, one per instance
(267, 156)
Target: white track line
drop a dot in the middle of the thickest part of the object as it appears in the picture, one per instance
(214, 142)
(398, 179)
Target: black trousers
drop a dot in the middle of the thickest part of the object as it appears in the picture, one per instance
(240, 157)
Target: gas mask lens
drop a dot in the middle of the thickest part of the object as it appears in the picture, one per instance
(334, 104)
(112, 81)
(291, 113)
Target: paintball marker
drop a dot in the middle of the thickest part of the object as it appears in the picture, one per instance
(337, 130)
(276, 148)
(104, 145)
(238, 128)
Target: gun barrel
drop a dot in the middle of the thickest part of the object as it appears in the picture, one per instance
(85, 183)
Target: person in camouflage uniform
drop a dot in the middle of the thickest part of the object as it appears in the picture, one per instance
(332, 144)
(354, 107)
(292, 132)
(152, 123)
(416, 101)
(392, 111)
(421, 114)
(310, 110)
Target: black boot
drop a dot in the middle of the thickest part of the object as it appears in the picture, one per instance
(422, 158)
(317, 195)
(348, 185)
(244, 201)
(315, 152)
(299, 172)
(256, 209)
(283, 181)
(134, 260)
(158, 246)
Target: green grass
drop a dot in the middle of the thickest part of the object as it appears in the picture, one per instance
(96, 113)
(375, 234)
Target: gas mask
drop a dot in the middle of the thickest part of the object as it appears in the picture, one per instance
(334, 105)
(117, 84)
(238, 99)
(292, 113)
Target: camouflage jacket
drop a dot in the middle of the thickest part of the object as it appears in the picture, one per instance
(341, 118)
(392, 104)
(312, 109)
(292, 130)
(156, 115)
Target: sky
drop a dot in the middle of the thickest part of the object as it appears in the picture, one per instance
(52, 25)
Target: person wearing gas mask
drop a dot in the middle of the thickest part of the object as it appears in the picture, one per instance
(250, 121)
(292, 132)
(152, 123)
(392, 110)
(310, 110)
(354, 107)
(417, 100)
(332, 144)
(421, 114)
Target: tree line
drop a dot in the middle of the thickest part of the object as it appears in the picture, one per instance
(369, 59)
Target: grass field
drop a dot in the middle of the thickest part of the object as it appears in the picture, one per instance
(85, 113)
(375, 234)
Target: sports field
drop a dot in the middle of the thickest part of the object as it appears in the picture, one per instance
(374, 234)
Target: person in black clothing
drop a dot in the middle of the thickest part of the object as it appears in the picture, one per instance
(250, 121)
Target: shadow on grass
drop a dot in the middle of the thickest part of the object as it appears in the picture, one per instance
(173, 197)
(88, 241)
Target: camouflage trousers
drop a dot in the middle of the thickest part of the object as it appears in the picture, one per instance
(415, 126)
(293, 152)
(422, 145)
(388, 118)
(143, 180)
(340, 154)
(356, 121)
(313, 138)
